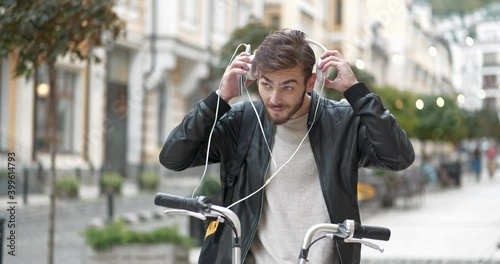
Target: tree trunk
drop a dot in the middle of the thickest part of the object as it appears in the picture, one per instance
(52, 121)
(34, 112)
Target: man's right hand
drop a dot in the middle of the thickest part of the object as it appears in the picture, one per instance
(230, 80)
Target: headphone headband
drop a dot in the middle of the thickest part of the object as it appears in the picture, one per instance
(314, 42)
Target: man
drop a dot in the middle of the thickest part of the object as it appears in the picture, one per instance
(316, 178)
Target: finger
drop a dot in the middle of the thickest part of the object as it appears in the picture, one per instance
(244, 56)
(329, 83)
(237, 71)
(326, 64)
(334, 53)
(240, 65)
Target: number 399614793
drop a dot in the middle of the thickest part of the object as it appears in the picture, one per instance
(11, 170)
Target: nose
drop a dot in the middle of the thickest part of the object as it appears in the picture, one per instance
(274, 97)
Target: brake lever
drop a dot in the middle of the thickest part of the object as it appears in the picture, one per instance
(186, 212)
(364, 242)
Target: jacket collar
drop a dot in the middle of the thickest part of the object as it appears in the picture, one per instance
(312, 108)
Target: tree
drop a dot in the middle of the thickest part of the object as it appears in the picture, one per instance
(252, 33)
(483, 123)
(449, 7)
(402, 105)
(445, 123)
(39, 32)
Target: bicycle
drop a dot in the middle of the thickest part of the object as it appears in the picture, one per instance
(201, 208)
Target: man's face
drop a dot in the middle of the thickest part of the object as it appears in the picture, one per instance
(284, 94)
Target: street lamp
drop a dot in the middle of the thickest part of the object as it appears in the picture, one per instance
(42, 90)
(481, 94)
(397, 59)
(469, 41)
(419, 104)
(433, 51)
(461, 98)
(360, 64)
(399, 104)
(440, 101)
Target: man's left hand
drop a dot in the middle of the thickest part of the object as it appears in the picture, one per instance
(345, 77)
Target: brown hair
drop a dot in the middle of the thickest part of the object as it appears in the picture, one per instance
(285, 49)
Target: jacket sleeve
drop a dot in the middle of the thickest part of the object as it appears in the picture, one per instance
(187, 144)
(382, 143)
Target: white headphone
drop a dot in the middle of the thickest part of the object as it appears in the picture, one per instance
(320, 75)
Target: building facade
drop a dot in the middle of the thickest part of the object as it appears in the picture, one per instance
(115, 115)
(475, 40)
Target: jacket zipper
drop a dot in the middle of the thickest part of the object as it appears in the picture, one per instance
(316, 159)
(254, 231)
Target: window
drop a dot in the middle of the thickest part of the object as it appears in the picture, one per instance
(489, 81)
(275, 21)
(338, 12)
(4, 104)
(65, 96)
(490, 59)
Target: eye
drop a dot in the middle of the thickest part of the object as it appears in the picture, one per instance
(287, 88)
(265, 84)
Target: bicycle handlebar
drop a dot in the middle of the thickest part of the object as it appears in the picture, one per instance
(179, 202)
(371, 232)
(199, 207)
(349, 231)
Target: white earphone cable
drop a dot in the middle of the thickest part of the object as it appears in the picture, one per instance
(213, 128)
(262, 131)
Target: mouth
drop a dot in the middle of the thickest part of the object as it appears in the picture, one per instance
(277, 108)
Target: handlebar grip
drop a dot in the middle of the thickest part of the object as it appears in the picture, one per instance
(371, 232)
(179, 202)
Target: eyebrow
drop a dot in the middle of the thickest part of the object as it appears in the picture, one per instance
(283, 83)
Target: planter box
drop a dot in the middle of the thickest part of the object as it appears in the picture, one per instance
(143, 254)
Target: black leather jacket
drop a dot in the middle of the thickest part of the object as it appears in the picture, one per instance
(344, 137)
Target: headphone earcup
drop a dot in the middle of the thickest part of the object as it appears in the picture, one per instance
(320, 75)
(249, 75)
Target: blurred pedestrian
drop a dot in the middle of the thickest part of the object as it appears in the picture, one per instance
(476, 162)
(491, 156)
(429, 170)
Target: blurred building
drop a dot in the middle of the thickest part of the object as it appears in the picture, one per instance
(475, 40)
(395, 41)
(115, 115)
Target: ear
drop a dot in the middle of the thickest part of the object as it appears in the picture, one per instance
(310, 83)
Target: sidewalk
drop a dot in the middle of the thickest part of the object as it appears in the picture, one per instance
(90, 193)
(86, 193)
(452, 226)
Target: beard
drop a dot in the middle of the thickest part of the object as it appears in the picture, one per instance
(284, 117)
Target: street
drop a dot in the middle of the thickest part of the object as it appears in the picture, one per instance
(459, 225)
